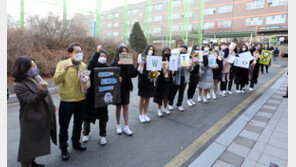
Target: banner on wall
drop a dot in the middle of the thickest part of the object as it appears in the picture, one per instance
(265, 57)
(154, 63)
(107, 86)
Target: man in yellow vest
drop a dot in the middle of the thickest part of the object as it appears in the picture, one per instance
(72, 96)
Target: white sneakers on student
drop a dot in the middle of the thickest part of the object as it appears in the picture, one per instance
(222, 94)
(127, 130)
(192, 102)
(214, 96)
(166, 111)
(208, 96)
(199, 98)
(142, 118)
(147, 119)
(159, 113)
(171, 107)
(251, 89)
(118, 129)
(180, 108)
(189, 102)
(238, 91)
(103, 141)
(242, 91)
(205, 99)
(229, 92)
(85, 138)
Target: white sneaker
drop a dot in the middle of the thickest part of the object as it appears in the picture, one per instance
(180, 108)
(251, 89)
(119, 129)
(214, 96)
(192, 102)
(103, 141)
(242, 91)
(224, 91)
(142, 118)
(85, 139)
(127, 131)
(159, 113)
(199, 98)
(222, 94)
(166, 111)
(208, 96)
(171, 107)
(205, 99)
(147, 119)
(189, 103)
(238, 91)
(229, 92)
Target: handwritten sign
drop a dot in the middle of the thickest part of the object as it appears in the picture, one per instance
(107, 86)
(154, 63)
(230, 59)
(246, 56)
(241, 62)
(265, 57)
(173, 66)
(185, 60)
(126, 58)
(212, 60)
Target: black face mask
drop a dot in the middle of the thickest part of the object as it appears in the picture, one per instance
(167, 55)
(182, 52)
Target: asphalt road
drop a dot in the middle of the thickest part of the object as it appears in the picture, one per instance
(153, 144)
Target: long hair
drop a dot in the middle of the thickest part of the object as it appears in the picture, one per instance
(147, 49)
(193, 48)
(241, 48)
(119, 50)
(162, 52)
(21, 67)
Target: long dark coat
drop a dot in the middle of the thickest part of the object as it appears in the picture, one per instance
(37, 120)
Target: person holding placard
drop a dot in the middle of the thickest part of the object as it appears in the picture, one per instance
(180, 79)
(206, 75)
(232, 53)
(217, 73)
(126, 72)
(255, 66)
(266, 47)
(194, 78)
(163, 84)
(98, 59)
(145, 84)
(226, 69)
(241, 74)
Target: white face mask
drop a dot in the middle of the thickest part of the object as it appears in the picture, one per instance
(244, 49)
(102, 60)
(78, 56)
(223, 47)
(150, 52)
(216, 48)
(207, 49)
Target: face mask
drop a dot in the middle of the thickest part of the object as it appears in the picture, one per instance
(223, 47)
(167, 54)
(78, 57)
(207, 49)
(150, 52)
(216, 48)
(34, 72)
(244, 49)
(102, 60)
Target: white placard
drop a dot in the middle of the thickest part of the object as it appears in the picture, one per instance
(185, 60)
(197, 56)
(230, 59)
(240, 62)
(154, 63)
(246, 56)
(212, 60)
(173, 63)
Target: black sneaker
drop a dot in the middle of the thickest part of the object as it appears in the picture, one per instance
(65, 155)
(79, 146)
(34, 164)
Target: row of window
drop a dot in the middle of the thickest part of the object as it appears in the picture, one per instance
(254, 21)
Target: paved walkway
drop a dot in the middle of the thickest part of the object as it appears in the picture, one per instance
(256, 142)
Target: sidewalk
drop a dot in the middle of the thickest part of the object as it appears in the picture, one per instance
(254, 142)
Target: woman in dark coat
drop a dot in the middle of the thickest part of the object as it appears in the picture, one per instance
(127, 73)
(163, 84)
(37, 113)
(145, 85)
(266, 47)
(98, 59)
(254, 66)
(241, 74)
(217, 73)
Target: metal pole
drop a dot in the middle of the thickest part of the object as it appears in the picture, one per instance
(201, 22)
(187, 20)
(125, 20)
(64, 14)
(22, 14)
(98, 19)
(148, 16)
(171, 22)
(168, 22)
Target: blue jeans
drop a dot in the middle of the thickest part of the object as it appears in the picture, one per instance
(275, 58)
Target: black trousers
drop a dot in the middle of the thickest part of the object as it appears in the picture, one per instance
(103, 119)
(175, 89)
(191, 90)
(231, 78)
(66, 110)
(252, 84)
(262, 68)
(27, 163)
(241, 86)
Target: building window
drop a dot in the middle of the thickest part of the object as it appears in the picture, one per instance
(209, 11)
(190, 14)
(158, 6)
(185, 2)
(115, 34)
(255, 4)
(176, 16)
(109, 25)
(254, 21)
(177, 3)
(157, 18)
(277, 2)
(157, 30)
(225, 9)
(149, 20)
(134, 11)
(115, 25)
(183, 28)
(209, 25)
(276, 19)
(116, 15)
(175, 28)
(224, 24)
(109, 34)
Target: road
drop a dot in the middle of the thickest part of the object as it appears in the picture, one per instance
(153, 144)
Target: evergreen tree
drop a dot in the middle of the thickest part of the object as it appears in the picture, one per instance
(137, 39)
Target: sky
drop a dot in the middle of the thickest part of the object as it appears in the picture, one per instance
(40, 7)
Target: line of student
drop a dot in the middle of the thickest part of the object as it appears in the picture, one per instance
(73, 100)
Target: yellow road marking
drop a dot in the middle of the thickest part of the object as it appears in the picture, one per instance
(198, 143)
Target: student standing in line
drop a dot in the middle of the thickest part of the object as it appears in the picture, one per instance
(180, 79)
(241, 74)
(127, 72)
(145, 85)
(217, 73)
(276, 53)
(266, 47)
(232, 51)
(254, 68)
(163, 84)
(226, 69)
(194, 78)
